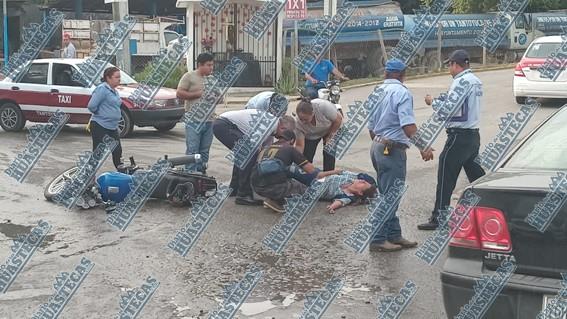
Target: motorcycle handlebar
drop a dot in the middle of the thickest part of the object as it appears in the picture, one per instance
(182, 160)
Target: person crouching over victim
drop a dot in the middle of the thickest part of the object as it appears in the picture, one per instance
(269, 176)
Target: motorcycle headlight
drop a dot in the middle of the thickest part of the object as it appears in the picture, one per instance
(335, 90)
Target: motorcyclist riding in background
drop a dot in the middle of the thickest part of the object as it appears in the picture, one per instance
(320, 74)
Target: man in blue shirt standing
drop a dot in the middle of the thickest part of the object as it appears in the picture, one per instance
(463, 138)
(391, 128)
(320, 74)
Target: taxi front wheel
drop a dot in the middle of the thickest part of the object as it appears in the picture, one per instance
(125, 125)
(11, 117)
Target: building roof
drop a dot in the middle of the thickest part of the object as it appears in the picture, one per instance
(143, 7)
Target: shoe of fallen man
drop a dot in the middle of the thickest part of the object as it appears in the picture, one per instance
(385, 247)
(432, 224)
(247, 200)
(274, 205)
(404, 243)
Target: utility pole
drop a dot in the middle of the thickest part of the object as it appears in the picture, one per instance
(78, 9)
(329, 9)
(6, 54)
(123, 59)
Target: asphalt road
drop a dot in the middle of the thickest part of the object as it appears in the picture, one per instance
(191, 287)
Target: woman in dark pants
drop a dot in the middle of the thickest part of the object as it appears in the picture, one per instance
(318, 120)
(105, 105)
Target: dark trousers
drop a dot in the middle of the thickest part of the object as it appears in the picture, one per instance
(277, 191)
(459, 152)
(98, 132)
(309, 152)
(228, 134)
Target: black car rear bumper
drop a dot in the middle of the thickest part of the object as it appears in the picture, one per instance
(156, 117)
(521, 297)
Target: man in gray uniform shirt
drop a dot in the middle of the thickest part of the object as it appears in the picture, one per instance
(463, 138)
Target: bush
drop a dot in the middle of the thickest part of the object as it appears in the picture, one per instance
(171, 82)
(286, 84)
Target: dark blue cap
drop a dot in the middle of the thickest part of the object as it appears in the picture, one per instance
(367, 178)
(458, 56)
(395, 65)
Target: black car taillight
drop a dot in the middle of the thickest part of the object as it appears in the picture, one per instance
(484, 228)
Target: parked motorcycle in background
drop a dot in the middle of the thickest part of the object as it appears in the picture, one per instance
(331, 92)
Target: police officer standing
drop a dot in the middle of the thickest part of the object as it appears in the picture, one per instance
(391, 128)
(463, 138)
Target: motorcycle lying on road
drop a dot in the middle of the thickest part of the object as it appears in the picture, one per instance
(331, 92)
(177, 186)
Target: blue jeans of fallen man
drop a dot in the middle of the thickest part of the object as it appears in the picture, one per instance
(198, 142)
(388, 168)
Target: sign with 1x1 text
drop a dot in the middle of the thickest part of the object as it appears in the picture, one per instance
(296, 9)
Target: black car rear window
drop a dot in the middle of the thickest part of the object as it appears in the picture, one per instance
(546, 149)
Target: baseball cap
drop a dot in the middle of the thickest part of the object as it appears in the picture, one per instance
(395, 65)
(367, 178)
(459, 56)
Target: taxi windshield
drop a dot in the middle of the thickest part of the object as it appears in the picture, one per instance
(125, 79)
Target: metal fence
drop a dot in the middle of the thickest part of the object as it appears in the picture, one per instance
(259, 72)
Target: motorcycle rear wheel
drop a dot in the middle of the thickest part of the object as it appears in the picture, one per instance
(57, 183)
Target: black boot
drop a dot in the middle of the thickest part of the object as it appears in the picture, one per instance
(432, 224)
(248, 200)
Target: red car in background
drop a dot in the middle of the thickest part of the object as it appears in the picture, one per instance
(48, 85)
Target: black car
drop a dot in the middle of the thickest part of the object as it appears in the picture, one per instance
(496, 230)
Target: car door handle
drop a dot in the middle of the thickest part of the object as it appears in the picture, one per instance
(54, 91)
(15, 88)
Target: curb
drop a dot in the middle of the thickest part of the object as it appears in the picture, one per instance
(411, 77)
(430, 75)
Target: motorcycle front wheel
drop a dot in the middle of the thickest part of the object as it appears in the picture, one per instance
(57, 183)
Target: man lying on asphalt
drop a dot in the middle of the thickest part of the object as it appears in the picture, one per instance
(342, 187)
(228, 129)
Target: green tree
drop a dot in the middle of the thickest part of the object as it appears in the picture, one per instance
(483, 6)
(409, 5)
